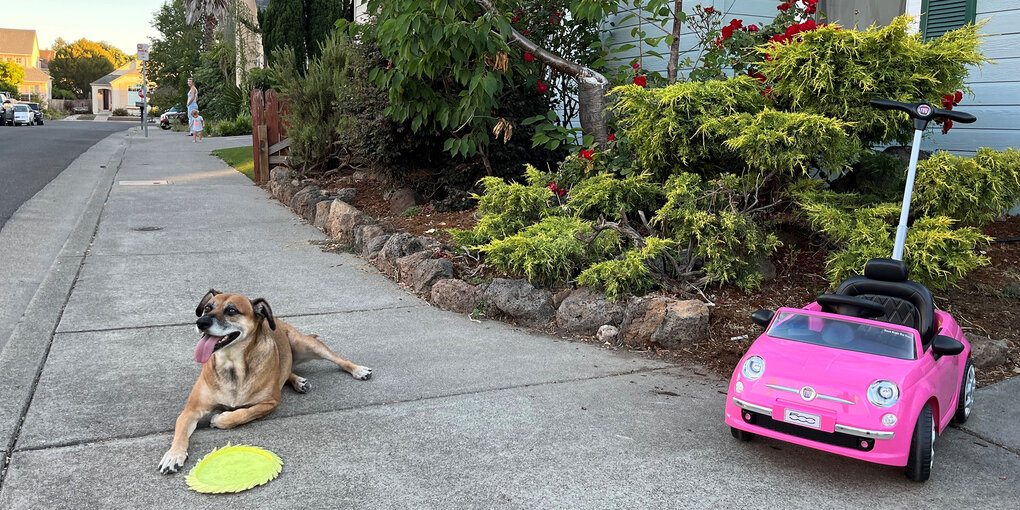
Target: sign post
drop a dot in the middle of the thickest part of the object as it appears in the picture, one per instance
(143, 55)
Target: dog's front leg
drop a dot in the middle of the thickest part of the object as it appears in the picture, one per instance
(231, 419)
(175, 457)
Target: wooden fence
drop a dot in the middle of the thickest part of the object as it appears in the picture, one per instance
(268, 133)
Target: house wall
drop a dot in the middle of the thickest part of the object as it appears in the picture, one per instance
(995, 97)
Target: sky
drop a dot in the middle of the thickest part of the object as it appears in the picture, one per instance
(123, 23)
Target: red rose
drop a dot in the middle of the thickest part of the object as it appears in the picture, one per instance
(528, 57)
(587, 154)
(792, 30)
(526, 33)
(515, 20)
(783, 6)
(718, 42)
(727, 32)
(641, 81)
(635, 65)
(767, 92)
(737, 23)
(808, 25)
(947, 101)
(957, 97)
(752, 28)
(542, 88)
(612, 136)
(946, 126)
(709, 10)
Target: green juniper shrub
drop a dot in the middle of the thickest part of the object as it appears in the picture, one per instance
(972, 190)
(664, 126)
(506, 208)
(834, 72)
(937, 253)
(606, 195)
(241, 125)
(712, 219)
(786, 143)
(549, 251)
(119, 112)
(875, 176)
(629, 274)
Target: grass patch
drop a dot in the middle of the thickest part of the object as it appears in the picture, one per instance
(241, 158)
(87, 117)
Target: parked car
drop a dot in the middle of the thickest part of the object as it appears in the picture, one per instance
(23, 115)
(36, 112)
(175, 112)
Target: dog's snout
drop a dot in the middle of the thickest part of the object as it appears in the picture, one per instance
(205, 322)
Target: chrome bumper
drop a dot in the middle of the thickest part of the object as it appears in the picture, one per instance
(844, 429)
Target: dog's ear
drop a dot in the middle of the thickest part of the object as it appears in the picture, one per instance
(262, 309)
(205, 300)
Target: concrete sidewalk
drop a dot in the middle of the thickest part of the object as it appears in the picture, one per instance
(457, 414)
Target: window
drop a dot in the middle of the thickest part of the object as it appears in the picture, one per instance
(941, 16)
(861, 13)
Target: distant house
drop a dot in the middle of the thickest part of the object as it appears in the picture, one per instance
(118, 89)
(996, 88)
(22, 48)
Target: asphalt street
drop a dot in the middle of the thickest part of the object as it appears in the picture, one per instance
(31, 156)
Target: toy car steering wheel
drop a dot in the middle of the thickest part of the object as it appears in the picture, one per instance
(852, 306)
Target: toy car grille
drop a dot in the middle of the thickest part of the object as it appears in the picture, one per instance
(832, 438)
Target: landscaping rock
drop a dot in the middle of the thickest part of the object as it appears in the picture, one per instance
(363, 233)
(430, 271)
(405, 265)
(608, 333)
(303, 202)
(560, 296)
(322, 214)
(373, 245)
(767, 269)
(985, 352)
(279, 178)
(456, 295)
(287, 191)
(520, 300)
(663, 321)
(346, 194)
(403, 199)
(398, 245)
(583, 311)
(342, 219)
(429, 243)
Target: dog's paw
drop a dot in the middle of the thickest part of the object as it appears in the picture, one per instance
(219, 421)
(302, 385)
(362, 373)
(172, 461)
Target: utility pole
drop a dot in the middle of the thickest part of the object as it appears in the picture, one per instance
(143, 55)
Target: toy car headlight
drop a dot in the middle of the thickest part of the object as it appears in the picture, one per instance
(753, 367)
(883, 393)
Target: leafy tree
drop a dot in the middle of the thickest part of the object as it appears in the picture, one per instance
(301, 25)
(175, 54)
(75, 66)
(119, 57)
(11, 74)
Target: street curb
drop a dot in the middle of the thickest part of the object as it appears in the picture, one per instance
(23, 357)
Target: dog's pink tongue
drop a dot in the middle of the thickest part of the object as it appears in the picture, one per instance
(204, 349)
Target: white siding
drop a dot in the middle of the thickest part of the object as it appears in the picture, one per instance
(995, 98)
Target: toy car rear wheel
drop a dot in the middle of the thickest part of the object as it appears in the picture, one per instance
(922, 447)
(965, 401)
(742, 435)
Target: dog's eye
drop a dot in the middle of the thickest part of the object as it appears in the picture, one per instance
(208, 307)
(232, 311)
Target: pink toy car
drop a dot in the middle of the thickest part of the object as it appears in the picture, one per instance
(872, 371)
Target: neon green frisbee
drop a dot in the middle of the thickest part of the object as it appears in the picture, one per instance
(234, 469)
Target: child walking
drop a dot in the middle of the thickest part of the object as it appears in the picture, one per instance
(197, 123)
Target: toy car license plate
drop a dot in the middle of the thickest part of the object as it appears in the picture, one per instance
(803, 419)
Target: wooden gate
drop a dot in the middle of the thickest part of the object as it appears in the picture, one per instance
(269, 133)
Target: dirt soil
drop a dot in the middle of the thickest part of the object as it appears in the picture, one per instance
(985, 302)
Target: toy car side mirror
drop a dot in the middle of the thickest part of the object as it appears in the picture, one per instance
(946, 346)
(764, 317)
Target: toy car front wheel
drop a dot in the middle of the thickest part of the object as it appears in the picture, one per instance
(965, 401)
(742, 435)
(922, 447)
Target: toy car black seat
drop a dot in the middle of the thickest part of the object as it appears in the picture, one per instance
(906, 302)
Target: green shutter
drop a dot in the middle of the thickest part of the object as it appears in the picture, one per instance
(941, 16)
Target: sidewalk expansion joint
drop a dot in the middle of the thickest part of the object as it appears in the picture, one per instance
(60, 315)
(179, 324)
(271, 418)
(965, 430)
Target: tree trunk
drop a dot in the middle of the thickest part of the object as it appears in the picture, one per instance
(592, 87)
(674, 48)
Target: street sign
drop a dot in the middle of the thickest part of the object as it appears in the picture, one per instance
(143, 52)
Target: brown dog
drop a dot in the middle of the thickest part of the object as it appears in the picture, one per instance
(246, 357)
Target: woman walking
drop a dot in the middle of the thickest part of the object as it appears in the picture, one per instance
(192, 100)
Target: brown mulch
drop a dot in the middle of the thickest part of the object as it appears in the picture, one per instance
(985, 302)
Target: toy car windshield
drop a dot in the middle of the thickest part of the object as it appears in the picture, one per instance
(844, 334)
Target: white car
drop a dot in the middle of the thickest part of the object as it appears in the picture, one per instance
(23, 115)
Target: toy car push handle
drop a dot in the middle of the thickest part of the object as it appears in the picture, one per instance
(922, 113)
